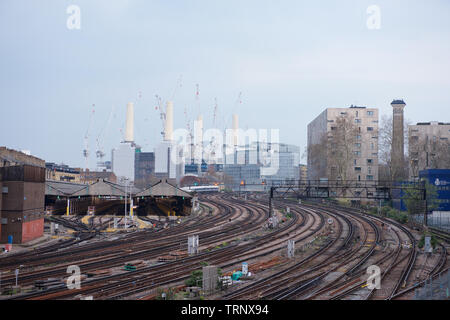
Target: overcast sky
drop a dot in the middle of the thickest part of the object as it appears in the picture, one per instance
(290, 60)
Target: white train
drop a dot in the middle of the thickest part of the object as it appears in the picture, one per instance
(211, 188)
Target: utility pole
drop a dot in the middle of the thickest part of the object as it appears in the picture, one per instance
(126, 198)
(131, 202)
(270, 201)
(425, 218)
(240, 180)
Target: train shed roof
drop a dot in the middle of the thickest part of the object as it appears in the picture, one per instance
(62, 188)
(163, 188)
(102, 188)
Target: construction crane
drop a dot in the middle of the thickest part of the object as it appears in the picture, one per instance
(86, 139)
(213, 144)
(162, 113)
(160, 106)
(100, 139)
(190, 134)
(216, 107)
(178, 85)
(236, 104)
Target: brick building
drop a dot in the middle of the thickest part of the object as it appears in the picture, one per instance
(90, 177)
(22, 204)
(22, 196)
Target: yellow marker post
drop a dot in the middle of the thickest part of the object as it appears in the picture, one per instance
(68, 207)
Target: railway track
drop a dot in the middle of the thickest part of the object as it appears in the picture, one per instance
(334, 270)
(207, 237)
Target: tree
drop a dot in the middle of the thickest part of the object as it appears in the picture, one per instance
(341, 147)
(389, 170)
(414, 200)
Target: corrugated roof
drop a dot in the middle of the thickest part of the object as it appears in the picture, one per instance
(61, 188)
(163, 188)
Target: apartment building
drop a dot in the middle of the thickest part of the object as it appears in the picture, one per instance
(343, 144)
(429, 147)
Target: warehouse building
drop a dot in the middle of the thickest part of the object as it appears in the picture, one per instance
(22, 183)
(22, 204)
(61, 172)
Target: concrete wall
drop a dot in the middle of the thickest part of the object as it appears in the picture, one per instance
(317, 163)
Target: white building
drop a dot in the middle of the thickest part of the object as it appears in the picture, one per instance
(123, 161)
(343, 144)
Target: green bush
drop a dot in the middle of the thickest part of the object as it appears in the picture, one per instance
(434, 241)
(195, 279)
(385, 210)
(398, 216)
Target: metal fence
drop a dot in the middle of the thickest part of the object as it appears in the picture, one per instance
(435, 289)
(437, 220)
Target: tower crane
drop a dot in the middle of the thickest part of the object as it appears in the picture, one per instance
(100, 139)
(86, 139)
(213, 143)
(160, 106)
(216, 107)
(162, 114)
(178, 85)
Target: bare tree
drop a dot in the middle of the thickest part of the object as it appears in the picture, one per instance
(388, 170)
(342, 144)
(332, 156)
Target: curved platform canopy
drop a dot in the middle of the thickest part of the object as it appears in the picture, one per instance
(163, 188)
(103, 188)
(62, 188)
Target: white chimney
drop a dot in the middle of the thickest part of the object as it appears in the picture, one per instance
(168, 130)
(129, 126)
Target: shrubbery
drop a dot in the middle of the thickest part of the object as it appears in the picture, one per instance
(397, 215)
(433, 241)
(195, 279)
(389, 212)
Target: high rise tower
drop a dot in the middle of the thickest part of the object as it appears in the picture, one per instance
(398, 149)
